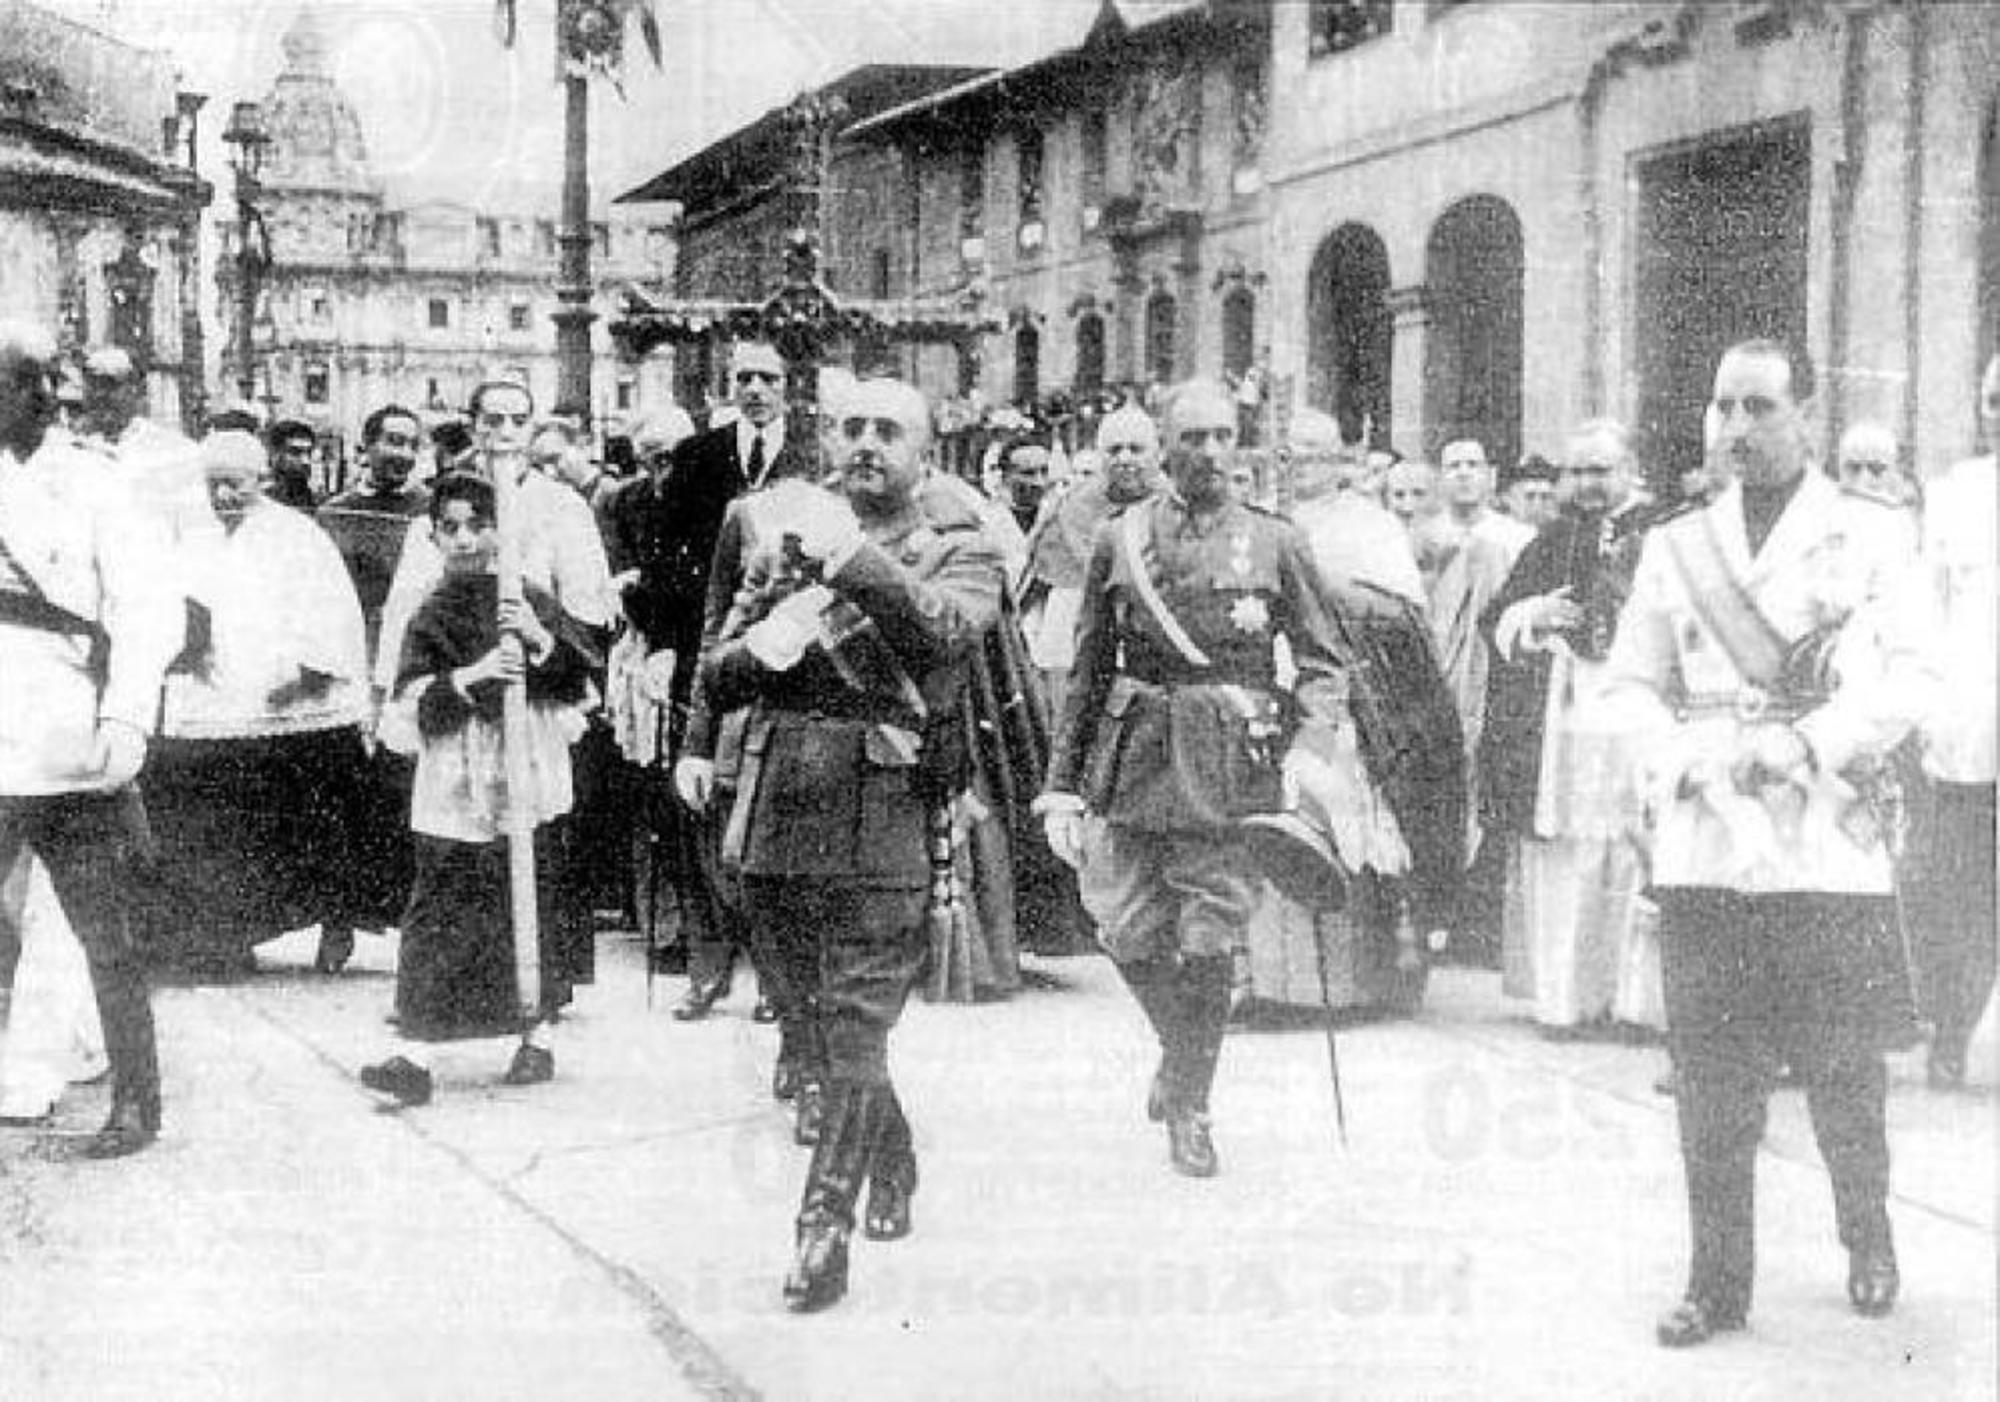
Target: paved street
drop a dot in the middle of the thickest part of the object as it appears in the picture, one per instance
(1505, 1222)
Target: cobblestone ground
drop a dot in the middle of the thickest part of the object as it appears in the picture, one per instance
(1505, 1220)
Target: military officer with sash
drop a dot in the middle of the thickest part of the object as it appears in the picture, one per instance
(1174, 728)
(1772, 648)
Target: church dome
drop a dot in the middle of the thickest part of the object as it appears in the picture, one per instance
(316, 140)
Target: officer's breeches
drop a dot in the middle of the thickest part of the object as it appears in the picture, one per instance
(1159, 895)
(851, 953)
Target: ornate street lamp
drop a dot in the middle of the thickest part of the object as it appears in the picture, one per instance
(248, 139)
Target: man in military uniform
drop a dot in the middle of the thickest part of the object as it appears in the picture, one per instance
(1173, 729)
(1773, 647)
(852, 630)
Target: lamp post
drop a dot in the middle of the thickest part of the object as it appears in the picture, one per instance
(247, 140)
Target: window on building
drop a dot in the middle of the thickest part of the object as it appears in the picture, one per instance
(439, 312)
(318, 384)
(1161, 315)
(1095, 157)
(626, 389)
(971, 191)
(1239, 333)
(519, 317)
(1029, 154)
(545, 237)
(489, 237)
(600, 240)
(878, 273)
(319, 306)
(1089, 353)
(1338, 25)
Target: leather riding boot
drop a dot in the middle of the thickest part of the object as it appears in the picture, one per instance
(1153, 986)
(893, 1177)
(818, 1276)
(1203, 989)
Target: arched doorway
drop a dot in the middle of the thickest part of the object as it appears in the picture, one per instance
(1472, 269)
(1349, 332)
(1089, 353)
(1161, 314)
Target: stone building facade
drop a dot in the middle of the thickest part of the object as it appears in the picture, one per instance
(1109, 196)
(370, 301)
(100, 204)
(1452, 217)
(742, 196)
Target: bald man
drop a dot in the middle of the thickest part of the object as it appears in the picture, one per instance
(1183, 603)
(1058, 548)
(1554, 755)
(1353, 536)
(1869, 465)
(86, 633)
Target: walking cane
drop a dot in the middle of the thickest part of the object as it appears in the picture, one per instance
(520, 822)
(1332, 1051)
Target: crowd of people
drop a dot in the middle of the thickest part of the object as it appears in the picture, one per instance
(1714, 766)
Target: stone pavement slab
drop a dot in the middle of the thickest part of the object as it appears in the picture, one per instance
(1504, 1221)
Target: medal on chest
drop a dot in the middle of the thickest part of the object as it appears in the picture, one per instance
(1250, 614)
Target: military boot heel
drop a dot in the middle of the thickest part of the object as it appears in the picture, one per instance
(854, 1116)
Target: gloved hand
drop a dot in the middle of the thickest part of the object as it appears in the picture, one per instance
(694, 781)
(782, 636)
(821, 522)
(1063, 825)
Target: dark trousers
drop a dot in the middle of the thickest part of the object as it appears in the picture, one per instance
(1949, 884)
(1753, 982)
(839, 961)
(93, 845)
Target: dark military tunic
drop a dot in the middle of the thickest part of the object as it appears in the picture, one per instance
(1171, 748)
(1130, 740)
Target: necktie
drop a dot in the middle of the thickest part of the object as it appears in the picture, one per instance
(754, 471)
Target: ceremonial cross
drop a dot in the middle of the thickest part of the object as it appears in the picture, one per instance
(803, 319)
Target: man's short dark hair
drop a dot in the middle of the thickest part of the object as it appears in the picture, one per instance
(486, 387)
(371, 427)
(233, 419)
(466, 487)
(1532, 468)
(1798, 364)
(285, 430)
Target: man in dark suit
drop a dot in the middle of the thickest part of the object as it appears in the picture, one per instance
(663, 545)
